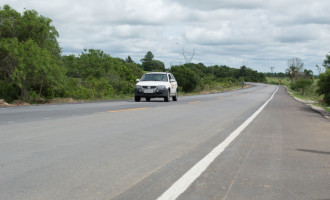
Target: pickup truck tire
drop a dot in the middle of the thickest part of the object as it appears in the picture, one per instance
(175, 97)
(137, 99)
(167, 98)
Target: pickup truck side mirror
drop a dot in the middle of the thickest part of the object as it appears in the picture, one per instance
(137, 80)
(172, 80)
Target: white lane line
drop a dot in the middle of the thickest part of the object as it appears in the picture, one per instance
(189, 177)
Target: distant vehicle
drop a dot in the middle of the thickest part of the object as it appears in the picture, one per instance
(155, 85)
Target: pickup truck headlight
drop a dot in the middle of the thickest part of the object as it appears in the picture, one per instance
(161, 87)
(138, 87)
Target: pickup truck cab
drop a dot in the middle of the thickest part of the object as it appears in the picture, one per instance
(156, 85)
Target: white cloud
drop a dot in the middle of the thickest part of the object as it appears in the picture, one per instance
(231, 32)
(223, 4)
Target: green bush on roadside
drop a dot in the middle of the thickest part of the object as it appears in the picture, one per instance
(324, 86)
(301, 84)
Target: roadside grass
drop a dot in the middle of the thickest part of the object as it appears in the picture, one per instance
(310, 94)
(275, 81)
(313, 98)
(214, 88)
(217, 88)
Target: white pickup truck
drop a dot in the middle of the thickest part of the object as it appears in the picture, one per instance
(155, 85)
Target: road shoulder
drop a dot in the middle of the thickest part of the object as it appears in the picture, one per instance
(318, 109)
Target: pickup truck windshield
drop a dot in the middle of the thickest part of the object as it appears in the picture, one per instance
(154, 77)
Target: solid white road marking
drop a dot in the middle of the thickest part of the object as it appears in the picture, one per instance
(189, 177)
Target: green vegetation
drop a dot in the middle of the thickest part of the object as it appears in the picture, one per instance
(324, 81)
(276, 80)
(32, 68)
(302, 84)
(301, 80)
(324, 86)
(149, 64)
(30, 61)
(96, 75)
(197, 77)
(318, 90)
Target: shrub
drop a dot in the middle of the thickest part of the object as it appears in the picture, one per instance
(8, 91)
(324, 86)
(186, 78)
(302, 84)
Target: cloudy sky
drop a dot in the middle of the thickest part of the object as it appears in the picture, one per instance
(257, 33)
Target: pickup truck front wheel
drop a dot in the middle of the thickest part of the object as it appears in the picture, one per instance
(175, 97)
(167, 98)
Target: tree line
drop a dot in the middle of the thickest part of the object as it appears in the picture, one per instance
(191, 76)
(32, 67)
(303, 79)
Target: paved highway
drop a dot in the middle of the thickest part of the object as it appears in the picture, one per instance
(142, 150)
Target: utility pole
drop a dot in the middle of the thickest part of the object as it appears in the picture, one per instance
(272, 69)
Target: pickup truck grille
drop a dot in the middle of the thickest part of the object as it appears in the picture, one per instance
(149, 87)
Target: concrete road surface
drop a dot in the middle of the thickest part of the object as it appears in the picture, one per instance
(138, 150)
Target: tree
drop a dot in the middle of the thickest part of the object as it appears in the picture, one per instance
(147, 61)
(29, 26)
(95, 74)
(187, 79)
(223, 71)
(94, 62)
(200, 69)
(324, 86)
(136, 69)
(295, 66)
(157, 65)
(243, 71)
(301, 83)
(319, 69)
(29, 53)
(35, 68)
(308, 74)
(281, 74)
(129, 60)
(71, 64)
(326, 62)
(149, 64)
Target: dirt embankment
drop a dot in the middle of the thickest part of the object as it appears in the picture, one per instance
(3, 103)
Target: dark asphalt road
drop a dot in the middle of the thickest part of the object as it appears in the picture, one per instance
(130, 150)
